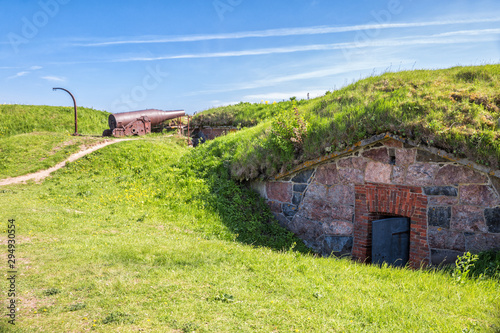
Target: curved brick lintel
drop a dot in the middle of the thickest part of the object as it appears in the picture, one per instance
(375, 200)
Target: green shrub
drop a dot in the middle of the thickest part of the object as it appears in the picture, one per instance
(289, 129)
(477, 266)
(463, 266)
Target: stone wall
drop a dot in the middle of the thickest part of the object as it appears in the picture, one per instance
(452, 208)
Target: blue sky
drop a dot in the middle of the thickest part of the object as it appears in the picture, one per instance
(195, 54)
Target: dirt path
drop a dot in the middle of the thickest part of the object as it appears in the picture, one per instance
(42, 174)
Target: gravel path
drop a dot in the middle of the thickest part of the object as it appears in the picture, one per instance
(42, 174)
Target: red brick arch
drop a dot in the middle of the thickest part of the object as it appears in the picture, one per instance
(377, 200)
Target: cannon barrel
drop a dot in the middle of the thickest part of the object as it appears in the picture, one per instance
(155, 116)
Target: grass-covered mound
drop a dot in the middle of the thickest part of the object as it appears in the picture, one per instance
(453, 109)
(238, 115)
(148, 235)
(18, 119)
(36, 137)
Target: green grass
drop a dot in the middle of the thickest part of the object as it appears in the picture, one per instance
(26, 153)
(238, 115)
(453, 109)
(150, 235)
(18, 119)
(37, 137)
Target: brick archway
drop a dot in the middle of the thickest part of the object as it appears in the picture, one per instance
(375, 200)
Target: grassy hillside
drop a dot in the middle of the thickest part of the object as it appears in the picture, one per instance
(454, 109)
(18, 119)
(148, 235)
(34, 137)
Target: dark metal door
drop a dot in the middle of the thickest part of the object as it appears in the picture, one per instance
(391, 241)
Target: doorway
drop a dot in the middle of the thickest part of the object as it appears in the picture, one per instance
(391, 241)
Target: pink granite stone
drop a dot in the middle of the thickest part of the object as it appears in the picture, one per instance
(279, 191)
(337, 227)
(316, 191)
(377, 172)
(341, 195)
(421, 174)
(440, 238)
(478, 195)
(305, 229)
(353, 163)
(314, 204)
(442, 200)
(324, 212)
(338, 212)
(405, 157)
(327, 174)
(482, 242)
(467, 218)
(458, 174)
(322, 204)
(354, 176)
(317, 210)
(377, 154)
(398, 175)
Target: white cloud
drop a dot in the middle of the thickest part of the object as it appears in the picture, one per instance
(24, 73)
(54, 78)
(317, 30)
(454, 37)
(19, 74)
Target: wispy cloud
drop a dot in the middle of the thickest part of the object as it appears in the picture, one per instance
(19, 74)
(279, 80)
(454, 37)
(317, 30)
(54, 78)
(22, 73)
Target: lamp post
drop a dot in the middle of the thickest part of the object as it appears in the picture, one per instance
(74, 104)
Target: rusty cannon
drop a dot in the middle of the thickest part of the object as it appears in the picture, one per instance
(138, 122)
